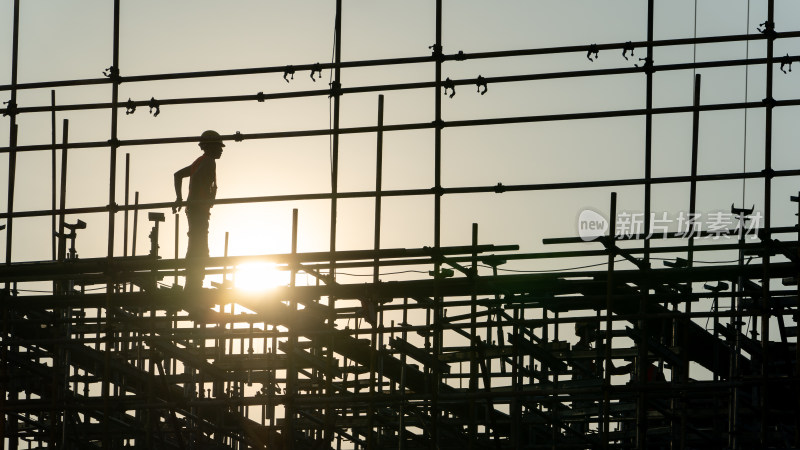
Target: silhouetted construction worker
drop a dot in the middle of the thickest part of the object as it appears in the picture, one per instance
(202, 175)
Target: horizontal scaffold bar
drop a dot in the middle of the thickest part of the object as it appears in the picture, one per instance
(460, 56)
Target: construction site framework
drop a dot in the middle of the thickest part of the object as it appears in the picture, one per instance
(478, 358)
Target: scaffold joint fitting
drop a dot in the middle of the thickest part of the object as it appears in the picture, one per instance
(449, 84)
(786, 60)
(154, 105)
(316, 69)
(767, 28)
(436, 52)
(647, 65)
(593, 50)
(627, 47)
(288, 72)
(11, 109)
(481, 83)
(113, 73)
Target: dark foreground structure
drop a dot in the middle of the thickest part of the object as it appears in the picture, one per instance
(630, 354)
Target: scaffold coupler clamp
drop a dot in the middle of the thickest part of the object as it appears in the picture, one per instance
(113, 73)
(449, 84)
(647, 64)
(336, 89)
(626, 48)
(767, 28)
(288, 72)
(130, 107)
(154, 105)
(436, 52)
(786, 60)
(316, 69)
(481, 83)
(11, 109)
(593, 50)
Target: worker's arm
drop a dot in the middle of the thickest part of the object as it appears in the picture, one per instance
(179, 176)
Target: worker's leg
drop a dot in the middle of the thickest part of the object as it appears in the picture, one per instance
(197, 250)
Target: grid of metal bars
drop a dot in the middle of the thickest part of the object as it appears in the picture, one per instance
(477, 360)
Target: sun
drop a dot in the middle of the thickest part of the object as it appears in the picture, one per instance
(259, 276)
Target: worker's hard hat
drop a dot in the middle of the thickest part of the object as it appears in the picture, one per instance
(211, 137)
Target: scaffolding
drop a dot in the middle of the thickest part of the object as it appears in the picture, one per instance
(627, 354)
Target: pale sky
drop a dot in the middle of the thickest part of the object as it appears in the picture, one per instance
(73, 40)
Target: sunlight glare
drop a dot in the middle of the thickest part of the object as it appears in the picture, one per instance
(260, 277)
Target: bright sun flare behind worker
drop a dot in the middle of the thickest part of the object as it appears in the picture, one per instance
(260, 277)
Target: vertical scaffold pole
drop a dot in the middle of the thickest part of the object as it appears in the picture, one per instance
(12, 154)
(135, 222)
(62, 203)
(797, 338)
(114, 144)
(765, 297)
(683, 343)
(10, 428)
(473, 332)
(642, 362)
(375, 273)
(291, 372)
(437, 223)
(612, 233)
(127, 199)
(53, 173)
(378, 186)
(335, 94)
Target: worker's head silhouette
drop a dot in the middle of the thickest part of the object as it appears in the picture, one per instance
(211, 143)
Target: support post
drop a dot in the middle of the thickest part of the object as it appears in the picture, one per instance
(330, 415)
(437, 216)
(642, 362)
(473, 333)
(62, 242)
(766, 237)
(53, 228)
(135, 222)
(110, 283)
(612, 233)
(291, 371)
